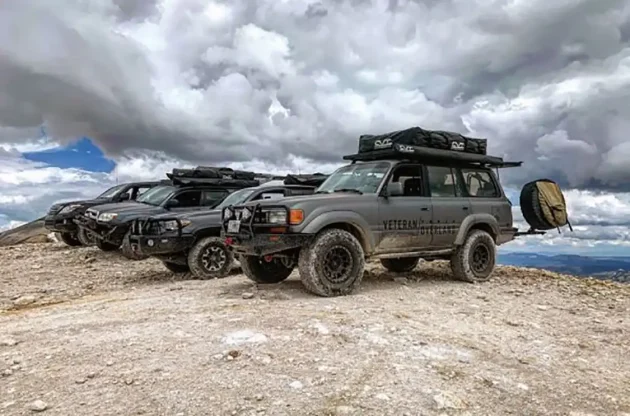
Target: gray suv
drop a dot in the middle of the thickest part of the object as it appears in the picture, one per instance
(400, 205)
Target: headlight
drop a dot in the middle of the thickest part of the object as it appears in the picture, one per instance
(276, 216)
(172, 225)
(107, 216)
(245, 213)
(69, 208)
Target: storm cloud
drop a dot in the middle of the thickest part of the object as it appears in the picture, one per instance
(547, 82)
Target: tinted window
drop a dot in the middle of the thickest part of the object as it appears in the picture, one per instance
(442, 181)
(212, 198)
(363, 177)
(410, 176)
(479, 183)
(188, 199)
(111, 191)
(235, 198)
(156, 195)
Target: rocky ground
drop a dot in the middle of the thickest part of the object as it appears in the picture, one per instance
(89, 333)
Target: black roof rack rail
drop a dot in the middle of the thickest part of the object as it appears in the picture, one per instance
(426, 154)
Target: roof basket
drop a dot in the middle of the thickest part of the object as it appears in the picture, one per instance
(428, 146)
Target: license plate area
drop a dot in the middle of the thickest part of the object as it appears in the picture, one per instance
(233, 226)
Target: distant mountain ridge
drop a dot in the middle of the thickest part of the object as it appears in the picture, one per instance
(608, 268)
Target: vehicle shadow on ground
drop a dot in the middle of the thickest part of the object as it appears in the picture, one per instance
(374, 280)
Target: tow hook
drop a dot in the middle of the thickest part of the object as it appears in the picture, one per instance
(268, 258)
(228, 241)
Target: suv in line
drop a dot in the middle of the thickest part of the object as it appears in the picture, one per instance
(191, 242)
(199, 189)
(60, 216)
(397, 202)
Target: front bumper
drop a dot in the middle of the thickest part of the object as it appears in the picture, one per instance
(260, 239)
(147, 239)
(60, 224)
(111, 233)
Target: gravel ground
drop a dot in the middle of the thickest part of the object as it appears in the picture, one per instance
(89, 333)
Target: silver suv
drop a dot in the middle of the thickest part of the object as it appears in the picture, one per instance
(397, 206)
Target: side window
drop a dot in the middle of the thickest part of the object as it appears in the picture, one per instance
(211, 198)
(188, 199)
(139, 190)
(127, 195)
(443, 181)
(410, 176)
(479, 183)
(278, 194)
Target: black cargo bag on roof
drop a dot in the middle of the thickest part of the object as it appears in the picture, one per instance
(416, 136)
(315, 179)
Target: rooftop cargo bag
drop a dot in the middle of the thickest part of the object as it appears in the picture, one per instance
(416, 136)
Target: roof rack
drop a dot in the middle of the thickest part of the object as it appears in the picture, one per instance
(314, 179)
(426, 154)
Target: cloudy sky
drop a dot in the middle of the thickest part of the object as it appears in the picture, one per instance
(162, 83)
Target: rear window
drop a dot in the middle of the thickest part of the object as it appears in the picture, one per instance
(479, 183)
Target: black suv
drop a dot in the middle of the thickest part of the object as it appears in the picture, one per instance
(191, 242)
(60, 216)
(199, 189)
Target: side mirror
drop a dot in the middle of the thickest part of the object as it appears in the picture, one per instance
(172, 203)
(124, 197)
(394, 189)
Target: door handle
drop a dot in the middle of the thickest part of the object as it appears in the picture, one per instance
(424, 209)
(465, 208)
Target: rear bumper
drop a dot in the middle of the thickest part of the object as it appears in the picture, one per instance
(111, 233)
(506, 235)
(60, 224)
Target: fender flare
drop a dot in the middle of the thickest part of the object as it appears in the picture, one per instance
(476, 219)
(346, 217)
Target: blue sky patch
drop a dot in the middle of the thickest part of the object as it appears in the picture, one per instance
(82, 154)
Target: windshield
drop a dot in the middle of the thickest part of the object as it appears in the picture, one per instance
(235, 198)
(112, 191)
(360, 177)
(156, 195)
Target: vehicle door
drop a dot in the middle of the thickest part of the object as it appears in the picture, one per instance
(404, 220)
(210, 198)
(450, 205)
(184, 201)
(485, 195)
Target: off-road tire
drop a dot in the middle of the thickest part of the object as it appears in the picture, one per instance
(176, 268)
(400, 265)
(105, 246)
(69, 239)
(316, 272)
(126, 251)
(258, 270)
(200, 256)
(83, 236)
(467, 259)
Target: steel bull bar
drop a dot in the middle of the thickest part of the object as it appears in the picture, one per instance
(142, 229)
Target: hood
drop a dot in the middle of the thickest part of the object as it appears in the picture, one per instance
(188, 215)
(316, 198)
(128, 210)
(83, 202)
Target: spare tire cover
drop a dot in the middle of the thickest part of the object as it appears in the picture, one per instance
(543, 205)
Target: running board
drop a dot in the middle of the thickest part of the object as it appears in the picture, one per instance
(432, 253)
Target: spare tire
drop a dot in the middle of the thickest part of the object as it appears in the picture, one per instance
(543, 205)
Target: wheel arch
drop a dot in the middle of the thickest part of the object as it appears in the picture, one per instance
(348, 221)
(483, 222)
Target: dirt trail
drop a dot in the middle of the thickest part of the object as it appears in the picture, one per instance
(89, 333)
